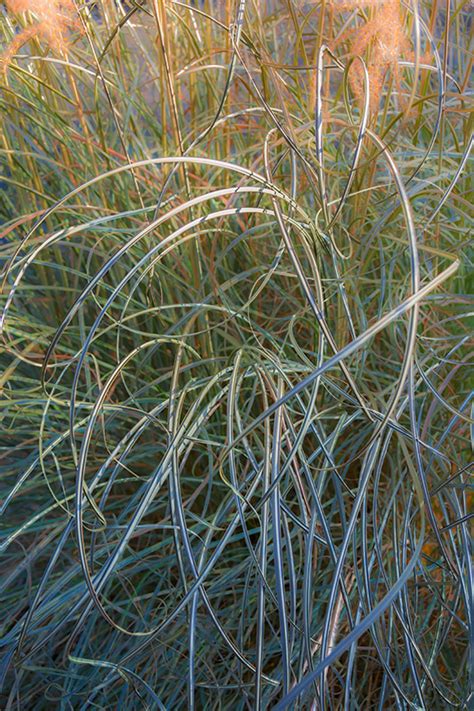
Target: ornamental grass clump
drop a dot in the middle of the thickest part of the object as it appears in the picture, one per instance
(235, 387)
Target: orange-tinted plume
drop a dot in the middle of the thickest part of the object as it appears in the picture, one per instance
(53, 22)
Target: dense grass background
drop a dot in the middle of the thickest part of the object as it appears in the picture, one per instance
(236, 411)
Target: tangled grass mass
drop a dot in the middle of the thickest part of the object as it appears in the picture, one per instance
(236, 354)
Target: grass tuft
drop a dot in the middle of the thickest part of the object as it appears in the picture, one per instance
(235, 397)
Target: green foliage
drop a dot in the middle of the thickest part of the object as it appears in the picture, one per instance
(235, 405)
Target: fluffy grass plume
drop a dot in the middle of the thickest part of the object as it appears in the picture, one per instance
(236, 386)
(384, 37)
(53, 21)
